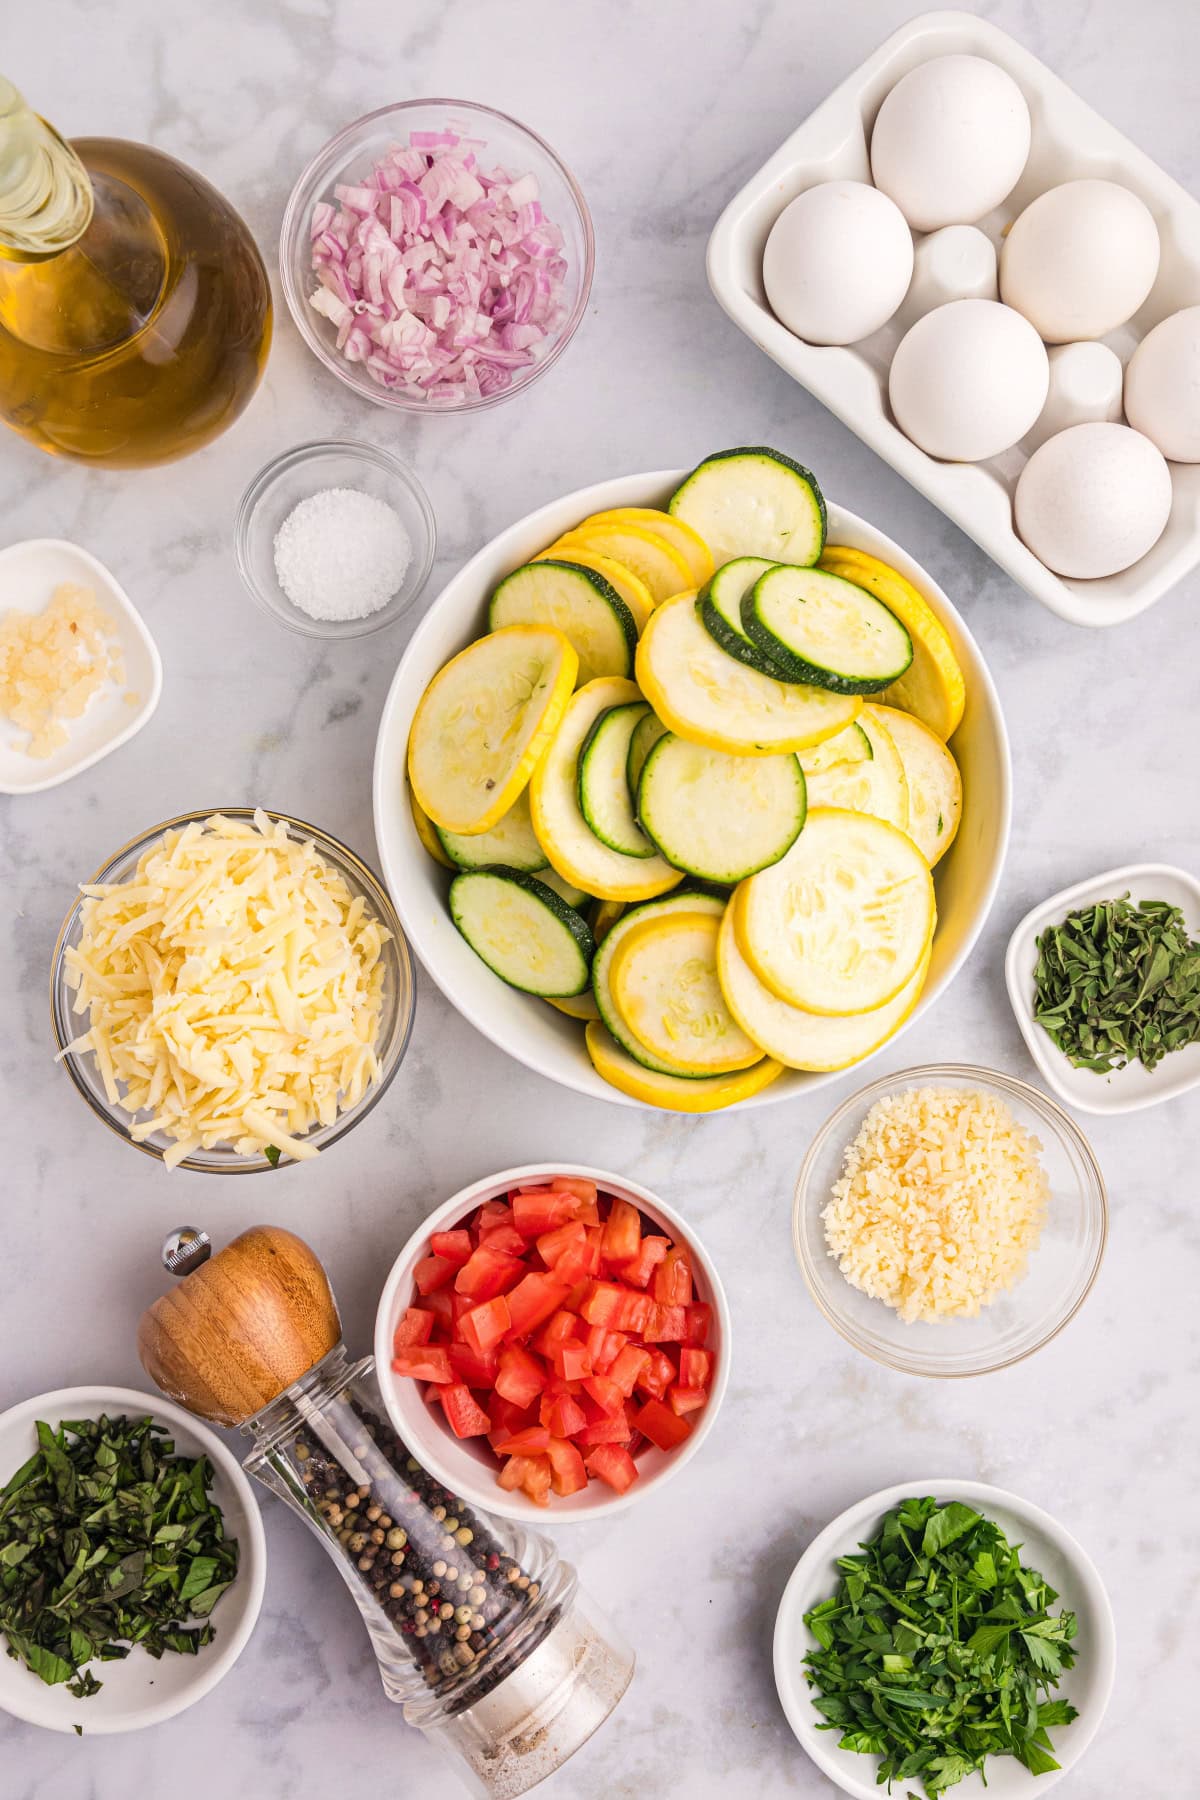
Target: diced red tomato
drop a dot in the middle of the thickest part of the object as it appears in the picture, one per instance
(604, 1347)
(439, 1304)
(424, 1362)
(504, 1237)
(433, 1394)
(533, 1299)
(683, 1400)
(666, 1324)
(557, 1329)
(562, 1414)
(579, 1185)
(505, 1418)
(529, 1442)
(454, 1246)
(529, 1472)
(662, 1426)
(699, 1319)
(628, 1366)
(615, 1429)
(459, 1304)
(612, 1464)
(649, 1256)
(551, 1244)
(673, 1278)
(567, 1473)
(416, 1327)
(478, 1369)
(605, 1393)
(488, 1272)
(492, 1214)
(466, 1417)
(615, 1307)
(536, 1210)
(695, 1368)
(622, 1233)
(433, 1273)
(577, 1264)
(520, 1377)
(484, 1326)
(658, 1374)
(571, 1360)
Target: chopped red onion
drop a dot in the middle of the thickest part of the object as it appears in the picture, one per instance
(440, 278)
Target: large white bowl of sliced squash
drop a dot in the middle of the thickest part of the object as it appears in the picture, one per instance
(691, 788)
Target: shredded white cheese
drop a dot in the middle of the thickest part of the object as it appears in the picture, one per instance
(234, 987)
(52, 663)
(940, 1200)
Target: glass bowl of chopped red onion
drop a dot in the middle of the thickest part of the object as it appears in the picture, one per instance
(437, 256)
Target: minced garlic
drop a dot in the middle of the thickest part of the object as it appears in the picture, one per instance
(53, 663)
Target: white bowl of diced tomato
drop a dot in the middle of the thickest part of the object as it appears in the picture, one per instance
(553, 1342)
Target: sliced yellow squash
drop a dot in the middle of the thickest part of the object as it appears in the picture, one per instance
(841, 924)
(932, 687)
(664, 983)
(578, 1006)
(805, 1040)
(671, 1092)
(690, 545)
(934, 783)
(652, 559)
(705, 695)
(849, 746)
(573, 851)
(631, 588)
(484, 722)
(427, 831)
(875, 784)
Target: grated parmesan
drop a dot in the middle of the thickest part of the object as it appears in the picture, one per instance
(53, 663)
(940, 1200)
(234, 988)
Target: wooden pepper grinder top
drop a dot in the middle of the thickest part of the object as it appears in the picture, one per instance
(242, 1327)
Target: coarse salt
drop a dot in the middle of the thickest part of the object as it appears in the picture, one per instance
(341, 554)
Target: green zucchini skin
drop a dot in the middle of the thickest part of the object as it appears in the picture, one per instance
(679, 502)
(804, 670)
(613, 720)
(728, 632)
(645, 735)
(560, 917)
(664, 815)
(506, 607)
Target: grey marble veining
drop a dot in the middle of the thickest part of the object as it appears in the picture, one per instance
(662, 111)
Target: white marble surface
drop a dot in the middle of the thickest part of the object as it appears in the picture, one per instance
(662, 110)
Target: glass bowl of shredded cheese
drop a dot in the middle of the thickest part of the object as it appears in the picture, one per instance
(949, 1220)
(232, 991)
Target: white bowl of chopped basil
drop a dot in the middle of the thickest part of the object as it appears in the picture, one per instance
(138, 1523)
(947, 1626)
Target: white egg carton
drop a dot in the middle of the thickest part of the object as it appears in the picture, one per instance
(1069, 141)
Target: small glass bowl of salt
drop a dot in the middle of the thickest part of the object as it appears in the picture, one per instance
(335, 539)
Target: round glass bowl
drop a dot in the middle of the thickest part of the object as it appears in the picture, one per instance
(307, 470)
(505, 143)
(1061, 1268)
(395, 1026)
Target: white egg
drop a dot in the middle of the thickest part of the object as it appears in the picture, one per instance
(1080, 260)
(1093, 500)
(837, 263)
(1162, 386)
(968, 380)
(950, 141)
(1085, 385)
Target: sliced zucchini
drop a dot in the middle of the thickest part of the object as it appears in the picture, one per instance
(849, 746)
(841, 924)
(875, 784)
(563, 832)
(578, 1006)
(690, 545)
(721, 611)
(933, 686)
(716, 816)
(577, 601)
(426, 830)
(652, 559)
(671, 1092)
(823, 629)
(483, 723)
(603, 917)
(602, 965)
(566, 890)
(708, 697)
(604, 797)
(633, 592)
(523, 931)
(510, 844)
(645, 735)
(804, 1040)
(753, 502)
(934, 783)
(663, 980)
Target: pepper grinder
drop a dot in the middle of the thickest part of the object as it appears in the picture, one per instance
(482, 1635)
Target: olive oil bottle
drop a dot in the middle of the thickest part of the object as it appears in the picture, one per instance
(135, 311)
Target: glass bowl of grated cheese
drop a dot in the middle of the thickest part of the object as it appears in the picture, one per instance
(232, 991)
(949, 1220)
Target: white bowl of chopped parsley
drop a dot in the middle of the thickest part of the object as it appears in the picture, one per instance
(132, 1560)
(942, 1628)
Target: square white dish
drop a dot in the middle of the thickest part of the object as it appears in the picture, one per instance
(29, 573)
(1070, 140)
(1133, 1087)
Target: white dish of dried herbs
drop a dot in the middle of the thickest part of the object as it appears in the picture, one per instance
(1106, 974)
(132, 1560)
